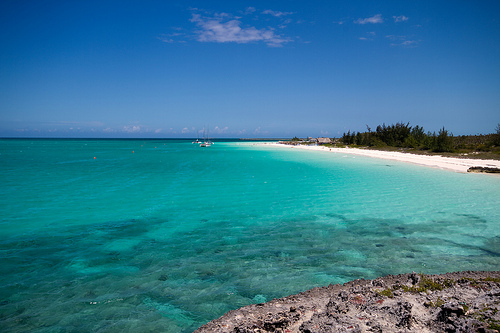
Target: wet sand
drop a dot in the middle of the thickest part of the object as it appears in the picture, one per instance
(435, 161)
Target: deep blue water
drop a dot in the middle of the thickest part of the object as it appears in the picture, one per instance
(162, 235)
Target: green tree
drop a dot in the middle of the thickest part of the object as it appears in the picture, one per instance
(359, 138)
(349, 138)
(346, 138)
(444, 142)
(430, 141)
(393, 135)
(418, 134)
(410, 142)
(496, 139)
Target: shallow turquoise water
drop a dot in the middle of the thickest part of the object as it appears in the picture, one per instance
(162, 235)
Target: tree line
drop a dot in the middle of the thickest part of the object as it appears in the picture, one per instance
(405, 136)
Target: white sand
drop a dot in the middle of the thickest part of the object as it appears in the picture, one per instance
(435, 161)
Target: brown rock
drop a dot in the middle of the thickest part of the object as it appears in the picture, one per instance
(452, 302)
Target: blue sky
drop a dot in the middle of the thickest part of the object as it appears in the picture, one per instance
(246, 68)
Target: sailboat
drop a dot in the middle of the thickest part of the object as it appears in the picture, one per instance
(207, 142)
(197, 138)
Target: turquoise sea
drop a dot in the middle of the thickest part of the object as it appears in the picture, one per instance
(164, 236)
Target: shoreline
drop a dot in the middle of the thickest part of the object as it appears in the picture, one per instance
(451, 302)
(460, 165)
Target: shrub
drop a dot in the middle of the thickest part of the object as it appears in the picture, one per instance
(410, 142)
(496, 137)
(444, 142)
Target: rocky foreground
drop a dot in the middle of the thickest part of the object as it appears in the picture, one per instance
(452, 302)
(483, 170)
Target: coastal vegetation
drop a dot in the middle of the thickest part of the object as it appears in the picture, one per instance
(404, 137)
(424, 285)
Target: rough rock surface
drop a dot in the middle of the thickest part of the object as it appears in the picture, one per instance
(483, 170)
(452, 302)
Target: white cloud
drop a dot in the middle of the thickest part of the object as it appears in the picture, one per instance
(343, 20)
(285, 23)
(187, 130)
(159, 130)
(374, 19)
(169, 38)
(259, 131)
(176, 36)
(275, 13)
(371, 36)
(396, 37)
(166, 39)
(400, 18)
(402, 41)
(408, 43)
(219, 130)
(250, 10)
(220, 29)
(131, 129)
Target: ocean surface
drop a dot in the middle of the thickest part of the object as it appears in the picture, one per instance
(164, 236)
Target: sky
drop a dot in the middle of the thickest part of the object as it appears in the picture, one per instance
(246, 69)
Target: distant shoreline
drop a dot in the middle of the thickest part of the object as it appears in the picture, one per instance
(435, 161)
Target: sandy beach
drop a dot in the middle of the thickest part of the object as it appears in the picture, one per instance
(434, 161)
